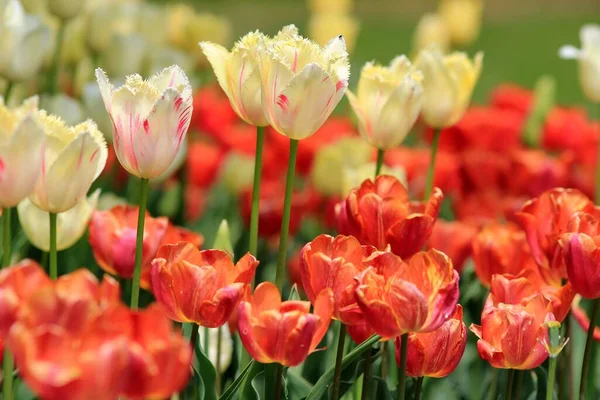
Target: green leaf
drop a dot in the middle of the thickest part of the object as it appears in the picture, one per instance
(223, 238)
(294, 294)
(544, 100)
(206, 372)
(296, 386)
(321, 387)
(233, 388)
(248, 390)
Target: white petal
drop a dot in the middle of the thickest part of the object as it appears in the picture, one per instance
(569, 52)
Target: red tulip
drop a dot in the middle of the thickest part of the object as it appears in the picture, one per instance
(203, 162)
(283, 331)
(397, 297)
(513, 329)
(512, 97)
(453, 239)
(545, 219)
(583, 319)
(199, 286)
(436, 354)
(380, 214)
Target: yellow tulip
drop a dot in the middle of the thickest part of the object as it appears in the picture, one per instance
(24, 40)
(73, 158)
(354, 177)
(388, 102)
(75, 49)
(179, 16)
(110, 19)
(71, 224)
(448, 82)
(332, 160)
(21, 147)
(330, 6)
(65, 9)
(463, 19)
(151, 16)
(205, 27)
(324, 26)
(239, 76)
(302, 82)
(125, 54)
(431, 30)
(589, 60)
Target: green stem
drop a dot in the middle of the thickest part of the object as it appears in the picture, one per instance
(335, 391)
(380, 154)
(509, 384)
(53, 256)
(287, 208)
(206, 343)
(194, 338)
(431, 170)
(260, 138)
(402, 366)
(139, 244)
(8, 91)
(218, 361)
(585, 366)
(551, 377)
(494, 384)
(366, 375)
(519, 385)
(418, 387)
(7, 363)
(278, 381)
(53, 75)
(384, 360)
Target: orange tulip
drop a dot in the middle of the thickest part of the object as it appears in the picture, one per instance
(17, 284)
(436, 354)
(453, 238)
(380, 214)
(500, 249)
(513, 330)
(544, 219)
(329, 262)
(200, 286)
(113, 237)
(283, 331)
(397, 297)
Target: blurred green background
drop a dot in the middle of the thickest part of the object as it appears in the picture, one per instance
(520, 38)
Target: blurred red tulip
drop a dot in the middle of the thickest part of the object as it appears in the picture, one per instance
(212, 111)
(485, 206)
(532, 172)
(453, 238)
(284, 332)
(380, 214)
(199, 286)
(397, 297)
(512, 97)
(544, 219)
(203, 162)
(513, 327)
(436, 354)
(567, 129)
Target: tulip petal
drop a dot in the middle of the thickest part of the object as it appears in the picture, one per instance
(583, 265)
(218, 56)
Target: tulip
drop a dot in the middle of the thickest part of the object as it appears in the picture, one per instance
(65, 9)
(73, 158)
(65, 107)
(330, 6)
(282, 331)
(109, 19)
(398, 296)
(431, 31)
(163, 56)
(513, 329)
(324, 26)
(588, 58)
(20, 152)
(70, 225)
(75, 49)
(125, 54)
(91, 99)
(149, 17)
(545, 219)
(463, 19)
(150, 119)
(448, 83)
(388, 102)
(453, 239)
(353, 177)
(332, 263)
(500, 249)
(380, 214)
(239, 76)
(436, 354)
(301, 81)
(24, 40)
(197, 286)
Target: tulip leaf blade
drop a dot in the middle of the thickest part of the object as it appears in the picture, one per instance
(320, 389)
(237, 383)
(248, 390)
(295, 385)
(206, 373)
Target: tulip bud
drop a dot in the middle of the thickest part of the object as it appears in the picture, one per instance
(543, 102)
(223, 238)
(463, 19)
(431, 31)
(448, 83)
(555, 342)
(324, 26)
(388, 102)
(65, 9)
(589, 60)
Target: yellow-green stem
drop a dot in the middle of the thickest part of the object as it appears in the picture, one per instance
(53, 253)
(335, 391)
(54, 69)
(287, 208)
(260, 138)
(509, 384)
(551, 377)
(218, 361)
(379, 165)
(585, 366)
(139, 244)
(7, 92)
(7, 362)
(402, 366)
(431, 170)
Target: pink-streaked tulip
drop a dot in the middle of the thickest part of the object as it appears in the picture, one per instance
(21, 151)
(379, 213)
(436, 354)
(397, 297)
(301, 81)
(200, 286)
(150, 119)
(513, 330)
(285, 332)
